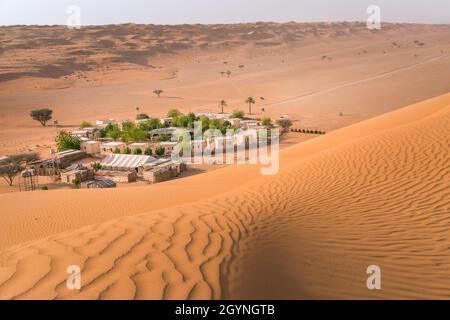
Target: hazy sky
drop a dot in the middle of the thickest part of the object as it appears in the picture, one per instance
(219, 11)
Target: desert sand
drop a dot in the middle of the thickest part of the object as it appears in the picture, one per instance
(372, 191)
(375, 192)
(309, 71)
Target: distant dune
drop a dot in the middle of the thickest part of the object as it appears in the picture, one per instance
(374, 193)
(323, 75)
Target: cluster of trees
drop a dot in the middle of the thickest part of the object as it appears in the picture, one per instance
(250, 101)
(130, 132)
(307, 131)
(15, 164)
(66, 141)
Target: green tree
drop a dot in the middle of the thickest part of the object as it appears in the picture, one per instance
(127, 125)
(238, 114)
(85, 124)
(42, 115)
(267, 122)
(11, 166)
(127, 150)
(114, 133)
(160, 151)
(215, 123)
(135, 135)
(205, 123)
(285, 124)
(96, 166)
(250, 101)
(76, 183)
(174, 113)
(163, 138)
(148, 151)
(66, 141)
(138, 151)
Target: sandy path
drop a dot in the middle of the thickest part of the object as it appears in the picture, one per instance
(356, 82)
(373, 193)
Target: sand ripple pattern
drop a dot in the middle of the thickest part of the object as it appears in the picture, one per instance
(309, 232)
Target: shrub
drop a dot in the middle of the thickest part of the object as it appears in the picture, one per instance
(238, 114)
(127, 150)
(138, 151)
(85, 124)
(76, 183)
(142, 116)
(160, 151)
(116, 151)
(44, 188)
(96, 166)
(148, 151)
(173, 113)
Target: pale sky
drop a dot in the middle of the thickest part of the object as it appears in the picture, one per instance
(219, 11)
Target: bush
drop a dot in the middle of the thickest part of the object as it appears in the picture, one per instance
(66, 141)
(173, 113)
(148, 151)
(142, 116)
(44, 188)
(116, 151)
(127, 150)
(96, 166)
(160, 151)
(238, 114)
(85, 124)
(76, 183)
(42, 115)
(138, 151)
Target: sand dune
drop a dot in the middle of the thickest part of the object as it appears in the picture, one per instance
(372, 193)
(310, 71)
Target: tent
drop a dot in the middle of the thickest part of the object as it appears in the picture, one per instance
(125, 162)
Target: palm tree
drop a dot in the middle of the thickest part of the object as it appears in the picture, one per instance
(222, 104)
(250, 101)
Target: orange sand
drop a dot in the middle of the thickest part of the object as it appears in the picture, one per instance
(372, 193)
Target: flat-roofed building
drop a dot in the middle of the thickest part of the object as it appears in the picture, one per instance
(91, 147)
(108, 148)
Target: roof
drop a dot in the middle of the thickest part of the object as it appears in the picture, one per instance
(113, 144)
(102, 183)
(126, 161)
(68, 152)
(168, 143)
(138, 144)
